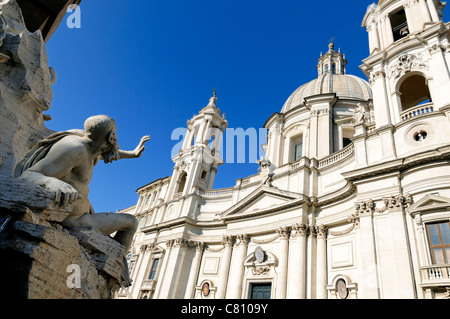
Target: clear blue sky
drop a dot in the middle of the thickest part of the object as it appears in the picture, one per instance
(152, 65)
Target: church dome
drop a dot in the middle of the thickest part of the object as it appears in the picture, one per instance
(332, 79)
(343, 85)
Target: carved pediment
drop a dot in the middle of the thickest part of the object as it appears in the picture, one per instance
(430, 203)
(263, 200)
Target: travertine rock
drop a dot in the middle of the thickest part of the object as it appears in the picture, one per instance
(39, 261)
(25, 87)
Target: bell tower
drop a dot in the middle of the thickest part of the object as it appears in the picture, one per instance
(197, 162)
(408, 62)
(408, 66)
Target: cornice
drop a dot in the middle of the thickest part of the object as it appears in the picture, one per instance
(442, 153)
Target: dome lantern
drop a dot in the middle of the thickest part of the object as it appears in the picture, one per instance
(332, 78)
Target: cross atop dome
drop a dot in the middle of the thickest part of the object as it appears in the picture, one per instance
(331, 44)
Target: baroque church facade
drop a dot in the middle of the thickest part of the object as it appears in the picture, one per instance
(351, 201)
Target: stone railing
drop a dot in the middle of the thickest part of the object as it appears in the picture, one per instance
(435, 273)
(216, 192)
(417, 111)
(336, 157)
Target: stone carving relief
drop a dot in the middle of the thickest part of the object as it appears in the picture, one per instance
(406, 63)
(391, 204)
(260, 271)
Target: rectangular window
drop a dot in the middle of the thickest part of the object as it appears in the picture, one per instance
(399, 25)
(261, 291)
(153, 269)
(298, 151)
(439, 239)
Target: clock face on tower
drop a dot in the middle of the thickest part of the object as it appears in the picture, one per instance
(341, 288)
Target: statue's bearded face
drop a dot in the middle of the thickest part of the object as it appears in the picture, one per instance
(111, 151)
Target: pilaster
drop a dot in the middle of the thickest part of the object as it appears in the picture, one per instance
(297, 262)
(283, 263)
(322, 262)
(225, 267)
(369, 287)
(237, 268)
(194, 270)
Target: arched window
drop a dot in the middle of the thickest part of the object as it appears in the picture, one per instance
(333, 68)
(326, 68)
(399, 24)
(148, 199)
(414, 91)
(182, 182)
(211, 141)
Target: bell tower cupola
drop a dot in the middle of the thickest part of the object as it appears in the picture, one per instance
(197, 162)
(332, 62)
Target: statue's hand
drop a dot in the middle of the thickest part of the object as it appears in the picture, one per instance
(140, 148)
(65, 194)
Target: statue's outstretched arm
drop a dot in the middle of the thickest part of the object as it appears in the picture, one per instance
(137, 152)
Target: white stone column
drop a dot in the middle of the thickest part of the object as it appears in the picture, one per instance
(283, 263)
(237, 268)
(225, 267)
(380, 99)
(374, 36)
(162, 275)
(433, 10)
(409, 18)
(187, 139)
(175, 268)
(389, 31)
(321, 290)
(276, 140)
(382, 33)
(311, 269)
(441, 77)
(297, 263)
(313, 147)
(402, 257)
(140, 269)
(425, 11)
(195, 268)
(369, 288)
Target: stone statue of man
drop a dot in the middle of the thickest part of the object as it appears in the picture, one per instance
(63, 163)
(360, 115)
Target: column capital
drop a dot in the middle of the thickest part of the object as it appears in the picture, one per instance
(227, 241)
(375, 75)
(180, 242)
(169, 243)
(321, 231)
(242, 239)
(199, 245)
(312, 231)
(299, 230)
(365, 208)
(284, 232)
